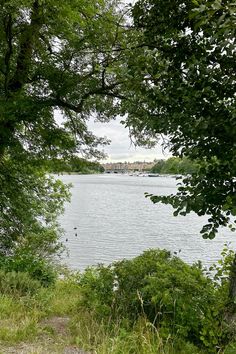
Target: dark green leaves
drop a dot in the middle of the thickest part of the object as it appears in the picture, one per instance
(58, 66)
(185, 89)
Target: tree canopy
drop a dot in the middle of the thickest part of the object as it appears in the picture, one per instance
(56, 57)
(57, 68)
(181, 85)
(175, 165)
(74, 164)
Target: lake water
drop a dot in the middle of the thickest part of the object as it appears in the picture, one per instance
(110, 219)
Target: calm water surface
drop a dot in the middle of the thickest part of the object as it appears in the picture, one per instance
(110, 219)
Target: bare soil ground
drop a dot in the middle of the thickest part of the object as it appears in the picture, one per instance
(57, 343)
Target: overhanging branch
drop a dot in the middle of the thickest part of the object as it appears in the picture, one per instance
(61, 103)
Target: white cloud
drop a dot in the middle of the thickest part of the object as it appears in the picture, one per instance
(121, 148)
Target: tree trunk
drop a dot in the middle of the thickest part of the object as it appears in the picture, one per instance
(231, 308)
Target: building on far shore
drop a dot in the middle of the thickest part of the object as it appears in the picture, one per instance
(139, 166)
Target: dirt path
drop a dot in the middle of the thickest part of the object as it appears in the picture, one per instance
(28, 348)
(58, 343)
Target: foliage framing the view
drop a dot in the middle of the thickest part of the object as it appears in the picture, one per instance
(56, 71)
(181, 84)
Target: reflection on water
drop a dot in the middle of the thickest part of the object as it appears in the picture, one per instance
(109, 219)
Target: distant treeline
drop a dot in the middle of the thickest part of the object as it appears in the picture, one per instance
(74, 164)
(175, 165)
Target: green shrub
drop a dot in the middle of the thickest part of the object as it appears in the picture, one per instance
(17, 283)
(37, 268)
(97, 285)
(178, 299)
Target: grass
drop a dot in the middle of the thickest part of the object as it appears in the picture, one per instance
(51, 321)
(24, 319)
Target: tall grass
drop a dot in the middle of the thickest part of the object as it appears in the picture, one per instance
(26, 319)
(22, 319)
(143, 338)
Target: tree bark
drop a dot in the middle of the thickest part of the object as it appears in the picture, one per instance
(232, 286)
(27, 44)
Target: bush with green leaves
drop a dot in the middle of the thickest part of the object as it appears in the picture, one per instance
(178, 299)
(36, 267)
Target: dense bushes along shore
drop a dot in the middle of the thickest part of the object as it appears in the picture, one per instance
(176, 165)
(154, 303)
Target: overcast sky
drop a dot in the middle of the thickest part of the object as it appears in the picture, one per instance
(120, 148)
